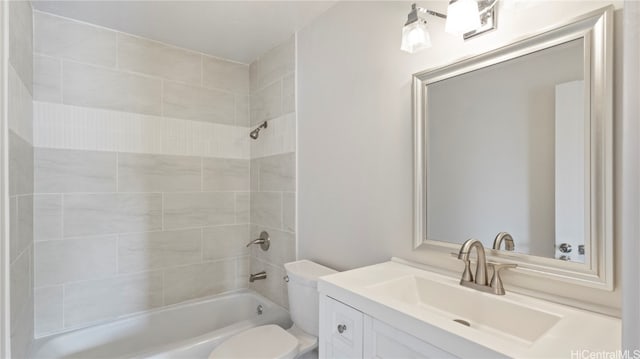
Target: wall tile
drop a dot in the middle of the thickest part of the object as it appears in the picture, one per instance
(253, 77)
(266, 209)
(225, 242)
(199, 280)
(48, 310)
(199, 104)
(289, 211)
(58, 262)
(21, 284)
(274, 173)
(85, 85)
(242, 272)
(157, 59)
(183, 210)
(282, 250)
(276, 63)
(222, 174)
(225, 75)
(95, 214)
(158, 173)
(21, 41)
(20, 165)
(92, 301)
(47, 216)
(13, 229)
(154, 250)
(242, 207)
(243, 116)
(69, 171)
(20, 106)
(289, 94)
(280, 137)
(266, 104)
(47, 79)
(273, 286)
(65, 38)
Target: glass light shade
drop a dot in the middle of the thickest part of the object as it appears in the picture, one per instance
(415, 37)
(462, 16)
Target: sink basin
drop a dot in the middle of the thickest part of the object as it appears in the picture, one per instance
(480, 311)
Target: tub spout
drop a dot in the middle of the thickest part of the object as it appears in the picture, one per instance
(257, 276)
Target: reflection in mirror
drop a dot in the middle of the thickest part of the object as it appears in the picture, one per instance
(507, 151)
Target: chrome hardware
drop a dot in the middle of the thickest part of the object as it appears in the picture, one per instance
(257, 276)
(581, 249)
(509, 244)
(286, 278)
(342, 328)
(255, 133)
(260, 309)
(264, 241)
(564, 257)
(480, 282)
(564, 248)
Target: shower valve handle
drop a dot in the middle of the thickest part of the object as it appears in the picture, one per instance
(264, 241)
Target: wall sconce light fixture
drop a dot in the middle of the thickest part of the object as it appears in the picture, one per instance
(468, 18)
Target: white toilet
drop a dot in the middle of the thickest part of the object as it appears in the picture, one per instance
(271, 341)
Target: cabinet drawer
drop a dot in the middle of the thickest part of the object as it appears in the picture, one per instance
(342, 329)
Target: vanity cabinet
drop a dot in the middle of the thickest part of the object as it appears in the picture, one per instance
(346, 332)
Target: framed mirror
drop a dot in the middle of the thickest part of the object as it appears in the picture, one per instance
(514, 148)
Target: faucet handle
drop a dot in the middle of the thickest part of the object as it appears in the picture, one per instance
(496, 280)
(264, 241)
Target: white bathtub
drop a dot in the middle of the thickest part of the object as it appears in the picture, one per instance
(188, 330)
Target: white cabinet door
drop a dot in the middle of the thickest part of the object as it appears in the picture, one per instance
(340, 330)
(385, 342)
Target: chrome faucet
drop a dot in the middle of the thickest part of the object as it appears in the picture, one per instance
(509, 244)
(480, 281)
(257, 276)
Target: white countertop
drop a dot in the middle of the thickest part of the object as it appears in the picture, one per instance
(577, 330)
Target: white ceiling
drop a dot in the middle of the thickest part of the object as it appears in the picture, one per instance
(236, 30)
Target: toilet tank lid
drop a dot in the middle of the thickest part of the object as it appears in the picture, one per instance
(306, 272)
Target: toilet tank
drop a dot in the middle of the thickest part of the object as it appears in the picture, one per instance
(303, 293)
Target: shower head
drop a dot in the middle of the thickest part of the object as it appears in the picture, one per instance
(255, 133)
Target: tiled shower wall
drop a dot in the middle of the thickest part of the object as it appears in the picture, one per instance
(141, 174)
(20, 73)
(273, 167)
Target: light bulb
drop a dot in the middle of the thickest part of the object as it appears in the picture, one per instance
(415, 37)
(462, 16)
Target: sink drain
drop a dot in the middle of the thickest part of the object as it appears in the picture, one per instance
(463, 322)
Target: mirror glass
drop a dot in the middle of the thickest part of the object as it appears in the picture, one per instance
(507, 150)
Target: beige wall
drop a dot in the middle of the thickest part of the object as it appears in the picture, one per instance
(20, 175)
(355, 132)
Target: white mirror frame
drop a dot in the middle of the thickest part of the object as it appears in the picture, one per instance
(596, 29)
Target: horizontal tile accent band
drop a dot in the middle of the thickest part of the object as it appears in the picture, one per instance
(83, 128)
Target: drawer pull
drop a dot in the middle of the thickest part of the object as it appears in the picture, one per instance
(342, 328)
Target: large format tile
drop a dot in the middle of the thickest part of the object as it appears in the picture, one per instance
(47, 79)
(282, 249)
(153, 250)
(266, 209)
(68, 260)
(94, 214)
(289, 94)
(266, 103)
(225, 75)
(67, 171)
(20, 165)
(158, 173)
(273, 287)
(225, 242)
(48, 310)
(242, 207)
(154, 58)
(243, 111)
(222, 174)
(199, 280)
(104, 299)
(90, 86)
(276, 63)
(65, 38)
(25, 222)
(183, 210)
(21, 40)
(47, 216)
(20, 281)
(199, 104)
(289, 211)
(274, 173)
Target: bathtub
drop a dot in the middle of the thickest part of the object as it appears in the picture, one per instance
(189, 330)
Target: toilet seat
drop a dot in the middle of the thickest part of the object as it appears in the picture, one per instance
(266, 341)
